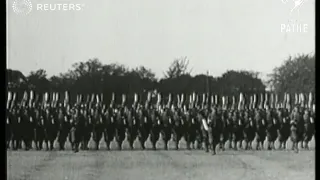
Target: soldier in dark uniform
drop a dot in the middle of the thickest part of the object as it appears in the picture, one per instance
(215, 124)
(109, 126)
(132, 127)
(64, 128)
(249, 129)
(261, 129)
(97, 126)
(155, 126)
(51, 128)
(16, 128)
(27, 124)
(76, 132)
(296, 128)
(205, 128)
(237, 129)
(143, 129)
(166, 126)
(40, 130)
(189, 127)
(284, 127)
(229, 130)
(8, 128)
(121, 124)
(87, 126)
(308, 130)
(177, 126)
(271, 127)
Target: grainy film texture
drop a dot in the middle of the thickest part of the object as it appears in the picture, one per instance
(160, 89)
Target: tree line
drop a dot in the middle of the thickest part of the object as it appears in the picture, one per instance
(294, 76)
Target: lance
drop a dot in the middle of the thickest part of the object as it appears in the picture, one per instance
(169, 101)
(223, 103)
(98, 99)
(288, 101)
(251, 102)
(226, 102)
(240, 101)
(101, 98)
(272, 101)
(284, 102)
(46, 99)
(203, 99)
(123, 99)
(178, 100)
(254, 101)
(13, 101)
(276, 101)
(261, 101)
(31, 98)
(190, 101)
(135, 99)
(66, 99)
(9, 99)
(310, 101)
(233, 103)
(182, 100)
(296, 99)
(216, 100)
(302, 100)
(266, 100)
(57, 99)
(52, 98)
(158, 99)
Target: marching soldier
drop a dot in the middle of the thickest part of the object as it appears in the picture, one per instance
(64, 128)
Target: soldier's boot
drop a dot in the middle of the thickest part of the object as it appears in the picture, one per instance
(261, 145)
(306, 146)
(51, 145)
(142, 145)
(293, 146)
(240, 145)
(296, 148)
(235, 145)
(154, 145)
(76, 147)
(108, 145)
(177, 145)
(96, 145)
(40, 145)
(188, 145)
(221, 145)
(61, 146)
(206, 147)
(165, 145)
(131, 145)
(19, 144)
(213, 151)
(301, 145)
(269, 145)
(119, 145)
(86, 145)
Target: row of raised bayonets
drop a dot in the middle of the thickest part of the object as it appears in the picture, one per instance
(249, 101)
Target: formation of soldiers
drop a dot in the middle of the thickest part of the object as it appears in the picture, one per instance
(210, 121)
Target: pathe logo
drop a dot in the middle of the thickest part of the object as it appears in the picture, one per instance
(294, 25)
(22, 6)
(297, 4)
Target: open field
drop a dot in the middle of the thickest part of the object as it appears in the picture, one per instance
(149, 165)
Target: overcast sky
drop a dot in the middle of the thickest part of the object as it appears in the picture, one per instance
(215, 35)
